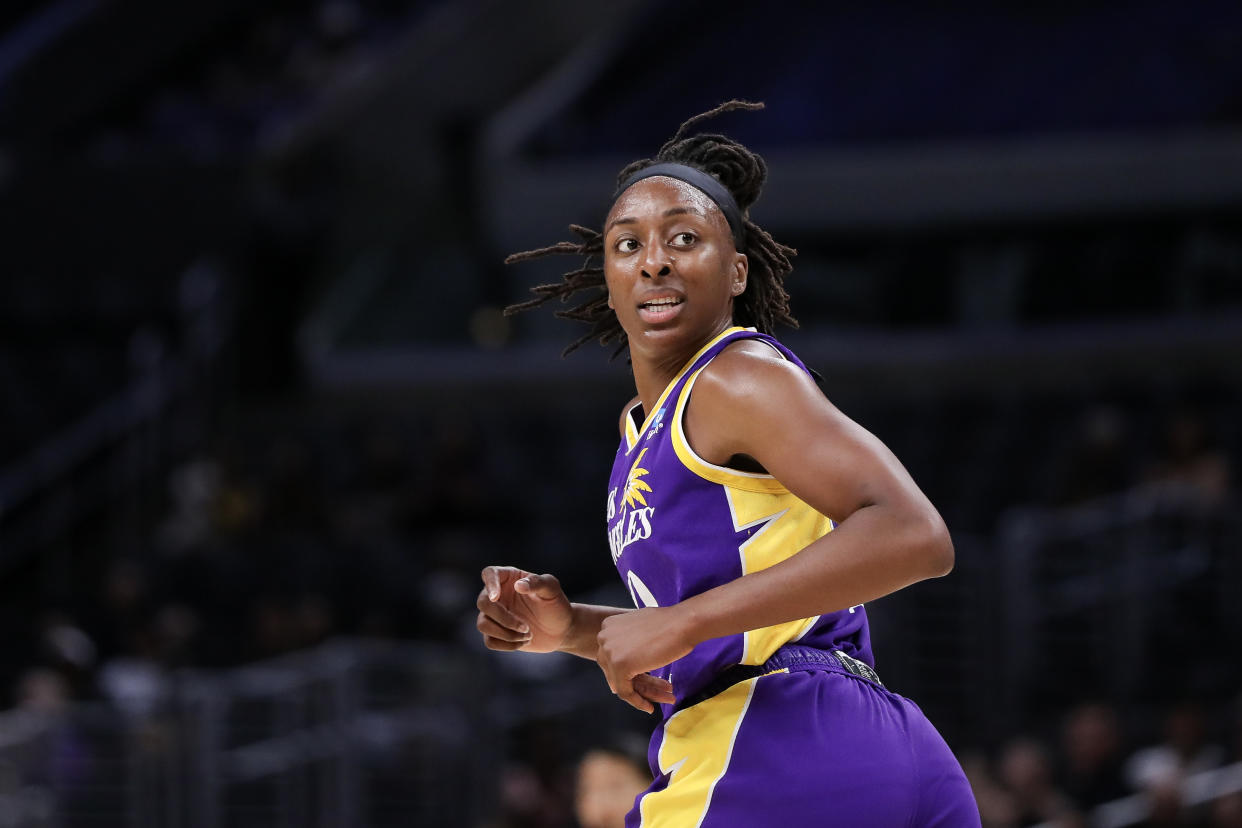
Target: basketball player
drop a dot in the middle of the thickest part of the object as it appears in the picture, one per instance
(750, 520)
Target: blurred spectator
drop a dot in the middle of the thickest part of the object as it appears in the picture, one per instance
(176, 628)
(997, 808)
(69, 651)
(1168, 810)
(135, 682)
(1189, 461)
(1026, 775)
(314, 619)
(273, 627)
(527, 801)
(121, 606)
(536, 785)
(136, 679)
(62, 759)
(193, 489)
(1097, 462)
(42, 690)
(1092, 755)
(1184, 750)
(610, 777)
(1226, 812)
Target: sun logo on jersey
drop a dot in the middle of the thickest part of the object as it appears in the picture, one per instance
(634, 487)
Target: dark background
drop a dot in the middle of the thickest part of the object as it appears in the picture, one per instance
(263, 420)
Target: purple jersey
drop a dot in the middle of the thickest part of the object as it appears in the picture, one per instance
(807, 741)
(678, 526)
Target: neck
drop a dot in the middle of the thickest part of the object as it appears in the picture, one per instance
(655, 369)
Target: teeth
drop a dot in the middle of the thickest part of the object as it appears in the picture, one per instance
(660, 302)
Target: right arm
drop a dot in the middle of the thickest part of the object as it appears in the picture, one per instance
(519, 610)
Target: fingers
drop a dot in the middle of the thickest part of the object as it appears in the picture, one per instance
(503, 646)
(643, 692)
(490, 629)
(499, 613)
(654, 689)
(540, 586)
(491, 581)
(500, 627)
(635, 699)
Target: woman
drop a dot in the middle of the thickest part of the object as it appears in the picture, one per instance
(750, 520)
(610, 776)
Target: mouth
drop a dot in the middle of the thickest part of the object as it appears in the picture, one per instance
(660, 309)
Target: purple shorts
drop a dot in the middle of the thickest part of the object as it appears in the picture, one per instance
(807, 744)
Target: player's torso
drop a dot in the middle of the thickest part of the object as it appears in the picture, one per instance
(678, 526)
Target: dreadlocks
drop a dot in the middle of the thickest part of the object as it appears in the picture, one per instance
(762, 305)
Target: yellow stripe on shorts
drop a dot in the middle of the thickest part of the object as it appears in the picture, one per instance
(696, 750)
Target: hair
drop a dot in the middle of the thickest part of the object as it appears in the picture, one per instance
(623, 744)
(762, 305)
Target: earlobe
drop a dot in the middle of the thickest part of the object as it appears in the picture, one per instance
(742, 268)
(610, 302)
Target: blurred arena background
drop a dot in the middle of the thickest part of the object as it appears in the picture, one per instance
(263, 421)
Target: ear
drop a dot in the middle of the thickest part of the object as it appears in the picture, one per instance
(610, 304)
(741, 269)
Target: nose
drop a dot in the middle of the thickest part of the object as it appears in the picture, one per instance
(657, 262)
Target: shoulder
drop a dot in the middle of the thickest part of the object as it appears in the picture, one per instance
(625, 412)
(748, 397)
(748, 372)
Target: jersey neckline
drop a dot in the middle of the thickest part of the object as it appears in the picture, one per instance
(634, 438)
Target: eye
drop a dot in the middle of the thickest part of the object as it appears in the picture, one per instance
(684, 239)
(626, 245)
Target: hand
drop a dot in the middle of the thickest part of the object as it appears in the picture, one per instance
(519, 610)
(632, 643)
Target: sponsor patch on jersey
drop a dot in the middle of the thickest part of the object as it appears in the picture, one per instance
(657, 423)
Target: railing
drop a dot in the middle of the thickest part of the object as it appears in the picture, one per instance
(1196, 789)
(352, 733)
(1120, 589)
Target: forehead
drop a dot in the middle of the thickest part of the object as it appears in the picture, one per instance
(600, 764)
(652, 197)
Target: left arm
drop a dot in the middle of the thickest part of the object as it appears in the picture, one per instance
(751, 402)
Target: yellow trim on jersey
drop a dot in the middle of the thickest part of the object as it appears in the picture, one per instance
(784, 526)
(660, 402)
(749, 481)
(789, 525)
(696, 750)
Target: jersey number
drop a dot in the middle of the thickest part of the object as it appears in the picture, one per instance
(642, 595)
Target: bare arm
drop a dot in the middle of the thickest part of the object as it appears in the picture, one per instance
(888, 535)
(751, 402)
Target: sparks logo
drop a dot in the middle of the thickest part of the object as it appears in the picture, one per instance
(634, 522)
(634, 487)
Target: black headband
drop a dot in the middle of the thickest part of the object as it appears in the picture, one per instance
(708, 184)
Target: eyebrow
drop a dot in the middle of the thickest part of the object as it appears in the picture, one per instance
(672, 211)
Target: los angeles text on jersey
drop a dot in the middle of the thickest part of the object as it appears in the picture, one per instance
(627, 527)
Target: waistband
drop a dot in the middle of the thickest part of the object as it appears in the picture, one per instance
(792, 657)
